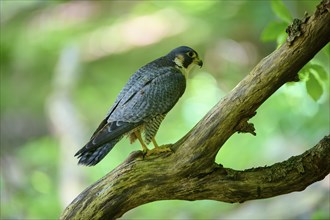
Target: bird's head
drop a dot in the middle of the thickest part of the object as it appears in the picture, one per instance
(185, 59)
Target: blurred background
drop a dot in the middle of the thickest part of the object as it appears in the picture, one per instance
(64, 62)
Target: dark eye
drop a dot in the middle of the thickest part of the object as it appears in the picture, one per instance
(191, 54)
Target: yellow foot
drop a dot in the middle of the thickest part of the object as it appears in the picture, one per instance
(160, 149)
(145, 151)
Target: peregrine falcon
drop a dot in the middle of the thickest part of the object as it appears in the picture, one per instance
(150, 93)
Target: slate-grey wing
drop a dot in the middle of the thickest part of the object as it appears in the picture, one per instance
(156, 96)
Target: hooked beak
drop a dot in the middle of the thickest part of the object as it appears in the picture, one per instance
(198, 62)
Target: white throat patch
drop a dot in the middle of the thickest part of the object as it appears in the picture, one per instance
(185, 71)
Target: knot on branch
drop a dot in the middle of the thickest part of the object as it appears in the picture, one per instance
(245, 127)
(294, 30)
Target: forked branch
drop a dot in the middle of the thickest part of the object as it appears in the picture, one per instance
(190, 173)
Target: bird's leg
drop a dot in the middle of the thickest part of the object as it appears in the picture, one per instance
(154, 142)
(159, 149)
(144, 146)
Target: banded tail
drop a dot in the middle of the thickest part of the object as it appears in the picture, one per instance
(90, 157)
(103, 140)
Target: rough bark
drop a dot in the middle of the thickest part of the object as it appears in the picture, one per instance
(190, 173)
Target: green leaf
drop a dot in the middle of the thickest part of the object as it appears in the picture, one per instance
(281, 11)
(281, 39)
(273, 30)
(314, 87)
(320, 71)
(303, 74)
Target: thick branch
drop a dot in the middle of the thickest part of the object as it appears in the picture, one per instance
(136, 182)
(190, 172)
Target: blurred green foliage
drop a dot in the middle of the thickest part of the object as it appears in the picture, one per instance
(281, 11)
(46, 116)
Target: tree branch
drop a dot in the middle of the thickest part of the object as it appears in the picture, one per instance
(190, 173)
